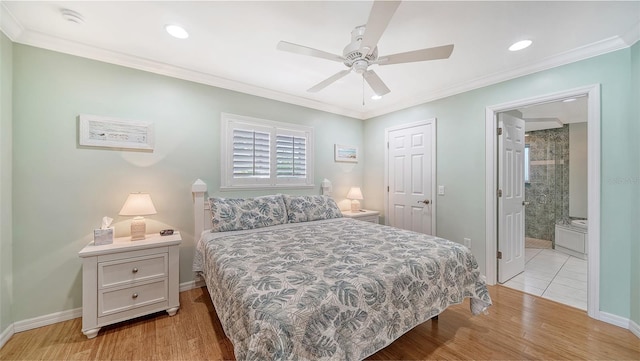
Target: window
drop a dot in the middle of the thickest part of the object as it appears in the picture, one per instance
(250, 154)
(291, 156)
(258, 153)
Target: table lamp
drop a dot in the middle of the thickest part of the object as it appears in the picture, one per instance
(138, 205)
(355, 194)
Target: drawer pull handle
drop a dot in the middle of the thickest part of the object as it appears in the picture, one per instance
(134, 296)
(135, 270)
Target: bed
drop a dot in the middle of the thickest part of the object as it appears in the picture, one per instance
(290, 279)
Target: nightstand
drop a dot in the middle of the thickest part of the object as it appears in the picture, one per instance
(128, 279)
(363, 215)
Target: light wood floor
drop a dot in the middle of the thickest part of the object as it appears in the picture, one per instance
(518, 326)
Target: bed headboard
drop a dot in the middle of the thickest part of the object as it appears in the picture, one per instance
(201, 210)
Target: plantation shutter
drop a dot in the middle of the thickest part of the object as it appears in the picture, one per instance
(257, 153)
(291, 156)
(251, 157)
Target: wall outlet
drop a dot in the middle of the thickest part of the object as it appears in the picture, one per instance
(467, 242)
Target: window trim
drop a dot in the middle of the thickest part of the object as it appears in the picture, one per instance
(227, 182)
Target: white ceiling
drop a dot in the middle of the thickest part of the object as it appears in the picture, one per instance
(232, 44)
(555, 114)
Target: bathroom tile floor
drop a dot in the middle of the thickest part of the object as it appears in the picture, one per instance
(553, 275)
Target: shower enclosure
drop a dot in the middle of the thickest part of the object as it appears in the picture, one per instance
(547, 189)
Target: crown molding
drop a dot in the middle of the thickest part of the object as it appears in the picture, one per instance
(595, 49)
(632, 36)
(45, 41)
(17, 33)
(9, 25)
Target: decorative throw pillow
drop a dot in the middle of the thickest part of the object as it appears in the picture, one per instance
(233, 214)
(310, 208)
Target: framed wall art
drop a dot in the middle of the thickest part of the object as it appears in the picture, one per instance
(98, 131)
(346, 153)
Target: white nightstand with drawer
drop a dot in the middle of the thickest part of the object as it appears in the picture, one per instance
(363, 215)
(128, 279)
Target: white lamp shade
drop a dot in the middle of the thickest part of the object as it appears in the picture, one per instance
(354, 193)
(138, 204)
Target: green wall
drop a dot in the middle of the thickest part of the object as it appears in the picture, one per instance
(635, 241)
(6, 81)
(461, 161)
(61, 191)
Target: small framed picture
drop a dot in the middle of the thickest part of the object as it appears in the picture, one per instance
(97, 131)
(346, 153)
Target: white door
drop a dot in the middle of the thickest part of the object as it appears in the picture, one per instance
(411, 176)
(511, 203)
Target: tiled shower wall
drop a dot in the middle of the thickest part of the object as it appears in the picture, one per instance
(548, 189)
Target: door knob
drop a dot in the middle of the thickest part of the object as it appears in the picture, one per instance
(426, 201)
(525, 203)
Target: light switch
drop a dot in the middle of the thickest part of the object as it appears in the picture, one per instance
(440, 190)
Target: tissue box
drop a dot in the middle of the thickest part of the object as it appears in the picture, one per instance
(103, 236)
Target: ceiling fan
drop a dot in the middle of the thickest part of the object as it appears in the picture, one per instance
(362, 51)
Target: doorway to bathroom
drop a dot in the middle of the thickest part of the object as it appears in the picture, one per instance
(549, 161)
(554, 207)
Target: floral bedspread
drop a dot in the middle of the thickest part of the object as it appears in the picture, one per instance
(331, 289)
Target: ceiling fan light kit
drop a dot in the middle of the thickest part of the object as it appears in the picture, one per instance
(362, 51)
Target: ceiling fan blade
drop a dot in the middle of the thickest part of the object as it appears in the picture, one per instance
(323, 84)
(375, 82)
(379, 17)
(440, 52)
(304, 50)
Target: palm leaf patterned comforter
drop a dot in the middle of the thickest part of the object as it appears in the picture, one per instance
(332, 289)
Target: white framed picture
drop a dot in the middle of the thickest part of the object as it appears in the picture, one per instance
(346, 153)
(98, 131)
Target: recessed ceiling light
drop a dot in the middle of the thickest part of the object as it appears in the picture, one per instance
(376, 97)
(177, 31)
(569, 100)
(520, 45)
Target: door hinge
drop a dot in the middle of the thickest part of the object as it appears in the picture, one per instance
(387, 145)
(499, 255)
(387, 188)
(499, 192)
(499, 131)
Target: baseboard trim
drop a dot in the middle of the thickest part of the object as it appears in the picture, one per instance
(196, 283)
(56, 317)
(614, 320)
(634, 328)
(6, 335)
(47, 320)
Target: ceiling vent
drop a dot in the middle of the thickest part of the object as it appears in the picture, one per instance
(72, 16)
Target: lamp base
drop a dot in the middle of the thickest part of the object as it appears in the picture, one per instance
(138, 229)
(355, 205)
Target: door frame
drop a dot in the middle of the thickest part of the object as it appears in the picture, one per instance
(432, 121)
(593, 184)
